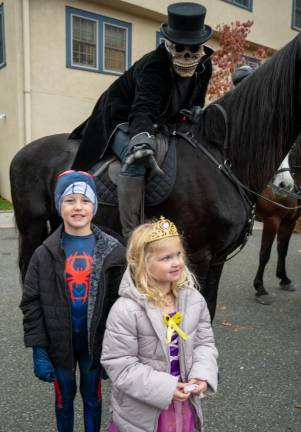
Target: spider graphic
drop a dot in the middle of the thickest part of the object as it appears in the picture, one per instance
(78, 276)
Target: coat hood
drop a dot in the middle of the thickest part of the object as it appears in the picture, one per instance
(127, 289)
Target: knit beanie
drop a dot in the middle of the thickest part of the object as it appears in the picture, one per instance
(70, 182)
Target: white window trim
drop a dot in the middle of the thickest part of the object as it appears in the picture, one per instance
(80, 65)
(112, 71)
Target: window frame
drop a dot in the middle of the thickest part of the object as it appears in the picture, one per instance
(254, 62)
(159, 36)
(294, 9)
(248, 8)
(101, 20)
(3, 62)
(128, 46)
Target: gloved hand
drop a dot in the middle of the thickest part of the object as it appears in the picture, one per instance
(42, 365)
(193, 114)
(142, 149)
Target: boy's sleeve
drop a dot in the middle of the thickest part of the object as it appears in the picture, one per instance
(121, 361)
(33, 322)
(204, 363)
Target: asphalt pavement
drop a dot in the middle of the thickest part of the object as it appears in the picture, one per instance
(259, 346)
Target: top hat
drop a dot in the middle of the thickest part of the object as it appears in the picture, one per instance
(186, 24)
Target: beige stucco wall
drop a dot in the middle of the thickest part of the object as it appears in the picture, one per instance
(11, 93)
(272, 19)
(59, 98)
(63, 97)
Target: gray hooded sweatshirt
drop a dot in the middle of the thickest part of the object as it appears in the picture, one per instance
(136, 356)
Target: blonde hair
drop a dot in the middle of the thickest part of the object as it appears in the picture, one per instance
(139, 252)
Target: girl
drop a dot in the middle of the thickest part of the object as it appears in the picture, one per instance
(158, 347)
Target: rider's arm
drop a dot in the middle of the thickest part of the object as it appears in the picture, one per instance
(152, 92)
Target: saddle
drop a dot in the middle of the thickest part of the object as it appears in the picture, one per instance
(157, 188)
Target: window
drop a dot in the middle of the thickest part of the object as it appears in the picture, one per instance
(251, 61)
(84, 42)
(296, 17)
(97, 43)
(2, 39)
(246, 4)
(115, 48)
(159, 38)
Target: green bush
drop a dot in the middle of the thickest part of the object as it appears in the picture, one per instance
(5, 205)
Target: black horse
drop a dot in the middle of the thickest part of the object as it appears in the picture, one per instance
(263, 113)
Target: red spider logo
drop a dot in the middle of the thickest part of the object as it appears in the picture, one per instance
(78, 276)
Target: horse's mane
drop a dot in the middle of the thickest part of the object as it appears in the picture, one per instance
(295, 154)
(262, 114)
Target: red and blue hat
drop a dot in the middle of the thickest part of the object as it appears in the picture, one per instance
(70, 182)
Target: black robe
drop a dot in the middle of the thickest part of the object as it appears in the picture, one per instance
(141, 96)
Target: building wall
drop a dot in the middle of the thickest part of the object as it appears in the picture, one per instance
(63, 97)
(59, 98)
(272, 20)
(11, 93)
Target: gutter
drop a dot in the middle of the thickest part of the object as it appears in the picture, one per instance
(26, 71)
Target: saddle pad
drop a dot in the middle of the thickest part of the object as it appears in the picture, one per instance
(157, 188)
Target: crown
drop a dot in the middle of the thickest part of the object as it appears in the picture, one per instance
(163, 228)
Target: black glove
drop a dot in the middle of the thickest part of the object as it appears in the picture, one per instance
(142, 149)
(142, 145)
(192, 114)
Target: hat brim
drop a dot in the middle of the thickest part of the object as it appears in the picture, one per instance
(187, 38)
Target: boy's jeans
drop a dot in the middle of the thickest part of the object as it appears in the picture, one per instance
(90, 389)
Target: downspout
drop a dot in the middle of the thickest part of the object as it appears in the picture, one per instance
(26, 68)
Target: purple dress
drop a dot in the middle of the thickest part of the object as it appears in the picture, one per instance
(179, 416)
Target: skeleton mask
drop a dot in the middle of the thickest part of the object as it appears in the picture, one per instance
(184, 58)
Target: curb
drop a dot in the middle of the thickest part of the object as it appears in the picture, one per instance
(7, 219)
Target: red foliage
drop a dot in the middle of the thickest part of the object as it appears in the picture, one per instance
(232, 46)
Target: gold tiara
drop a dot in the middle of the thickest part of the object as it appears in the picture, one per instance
(162, 229)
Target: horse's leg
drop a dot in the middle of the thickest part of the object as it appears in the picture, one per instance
(283, 238)
(29, 239)
(209, 287)
(270, 228)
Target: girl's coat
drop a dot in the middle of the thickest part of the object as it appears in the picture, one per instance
(136, 355)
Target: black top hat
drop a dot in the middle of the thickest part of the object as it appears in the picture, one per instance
(186, 24)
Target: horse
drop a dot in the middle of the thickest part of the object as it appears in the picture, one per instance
(279, 221)
(251, 128)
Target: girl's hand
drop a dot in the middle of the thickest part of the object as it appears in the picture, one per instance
(179, 394)
(202, 386)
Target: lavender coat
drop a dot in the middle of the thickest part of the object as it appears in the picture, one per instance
(136, 356)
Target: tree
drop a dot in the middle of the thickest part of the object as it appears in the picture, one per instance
(233, 43)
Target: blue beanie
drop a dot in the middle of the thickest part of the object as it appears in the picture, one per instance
(71, 182)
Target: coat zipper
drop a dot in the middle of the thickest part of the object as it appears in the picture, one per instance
(70, 321)
(99, 314)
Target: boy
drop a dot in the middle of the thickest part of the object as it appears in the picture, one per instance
(71, 283)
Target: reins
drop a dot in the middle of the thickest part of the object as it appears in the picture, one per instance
(225, 166)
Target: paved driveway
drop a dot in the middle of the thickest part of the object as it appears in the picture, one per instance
(260, 352)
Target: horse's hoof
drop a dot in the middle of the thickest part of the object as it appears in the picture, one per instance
(288, 287)
(264, 299)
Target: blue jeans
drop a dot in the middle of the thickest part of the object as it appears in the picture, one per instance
(120, 147)
(90, 389)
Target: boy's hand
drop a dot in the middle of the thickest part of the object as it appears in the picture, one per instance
(179, 394)
(202, 386)
(42, 365)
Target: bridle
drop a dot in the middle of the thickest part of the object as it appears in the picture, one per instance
(225, 168)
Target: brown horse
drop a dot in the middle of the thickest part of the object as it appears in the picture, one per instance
(264, 114)
(280, 222)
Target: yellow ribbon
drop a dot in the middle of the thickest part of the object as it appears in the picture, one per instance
(172, 324)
